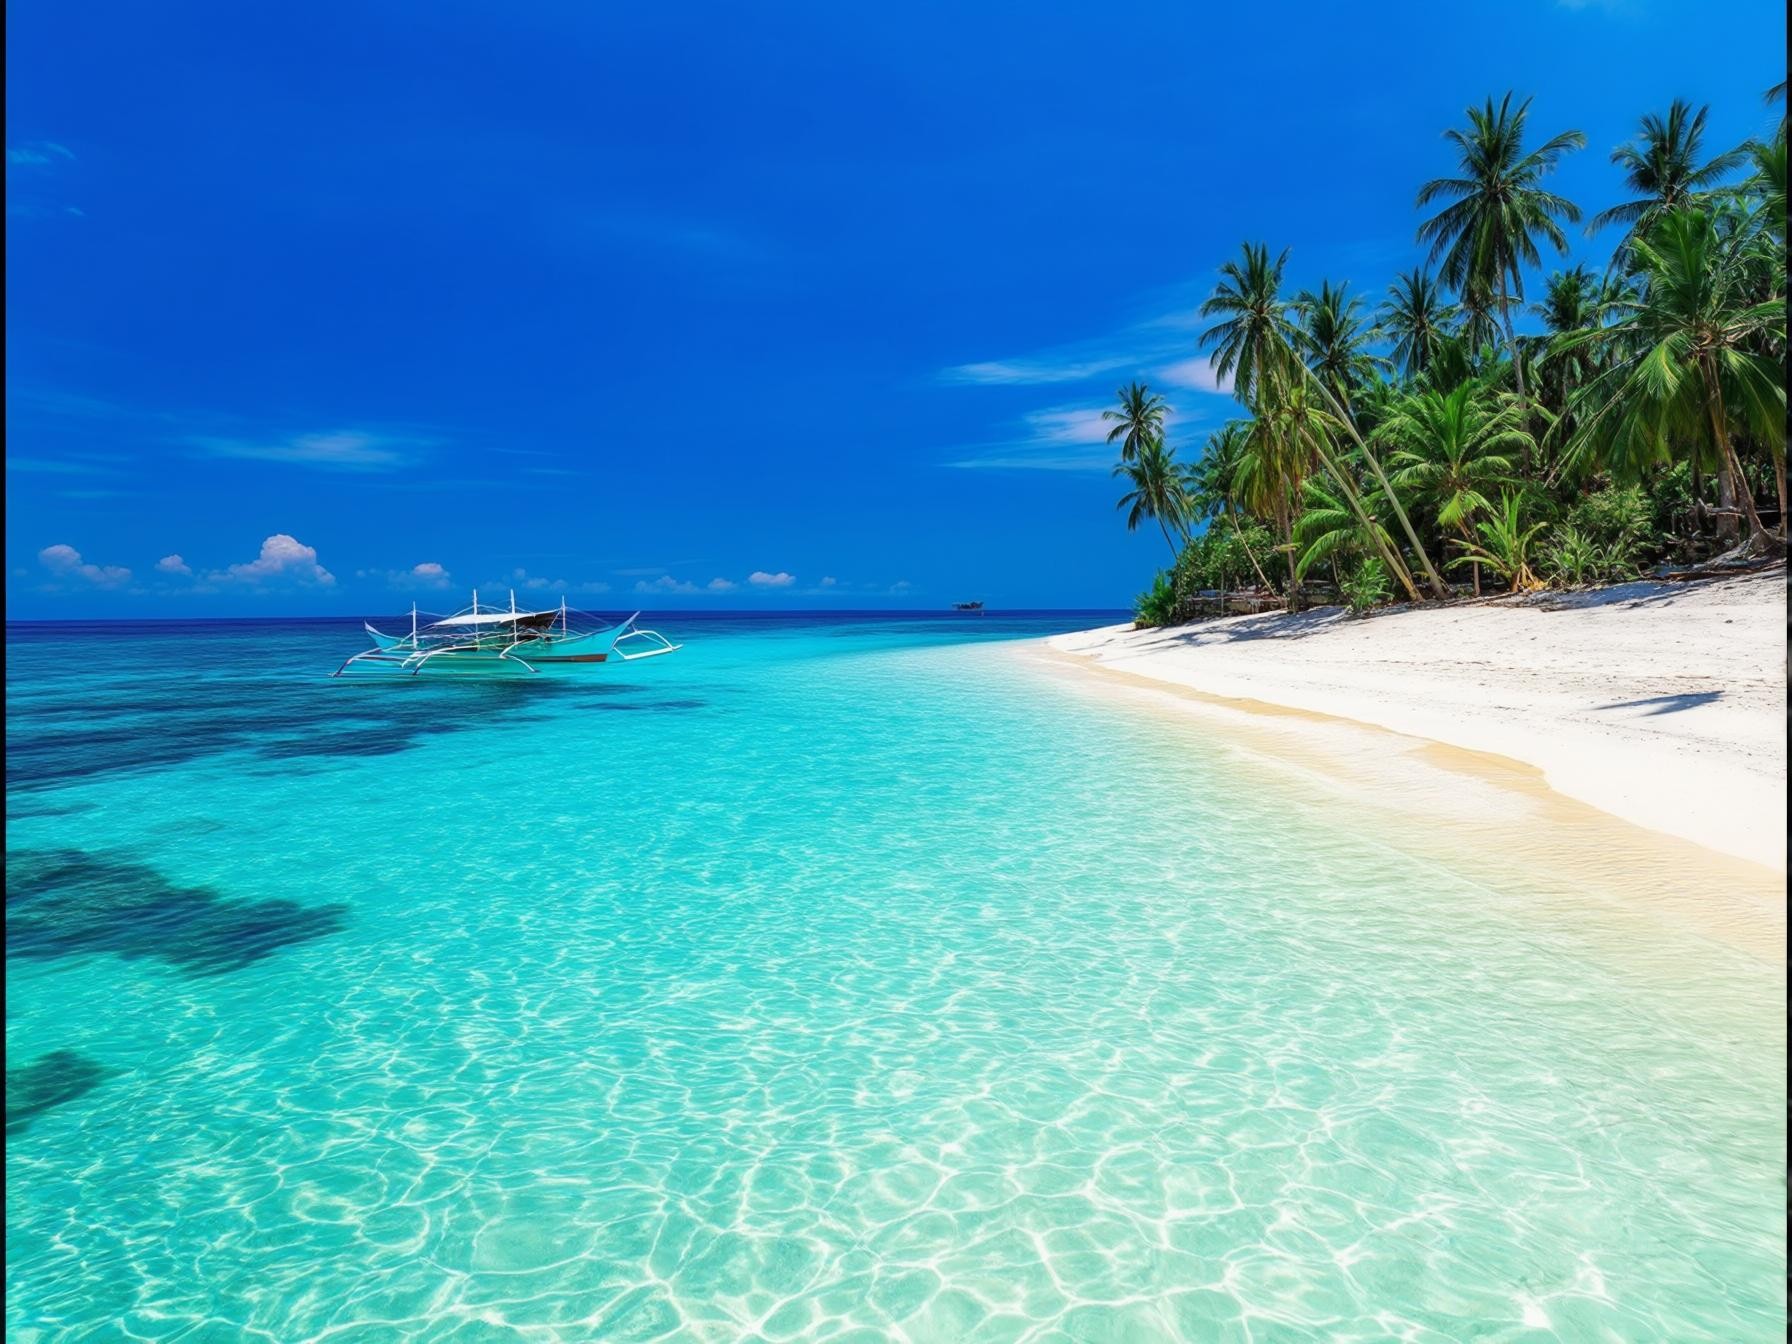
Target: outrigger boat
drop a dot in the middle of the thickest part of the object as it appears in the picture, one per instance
(480, 639)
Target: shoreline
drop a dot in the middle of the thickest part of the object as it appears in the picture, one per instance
(1660, 704)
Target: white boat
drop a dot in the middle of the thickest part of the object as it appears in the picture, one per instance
(487, 640)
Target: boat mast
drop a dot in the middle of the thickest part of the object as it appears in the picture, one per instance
(563, 613)
(413, 622)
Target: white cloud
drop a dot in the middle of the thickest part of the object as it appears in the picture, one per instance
(1064, 438)
(829, 581)
(664, 584)
(65, 562)
(1034, 371)
(1197, 374)
(38, 153)
(283, 558)
(763, 580)
(722, 585)
(430, 574)
(173, 564)
(522, 580)
(338, 450)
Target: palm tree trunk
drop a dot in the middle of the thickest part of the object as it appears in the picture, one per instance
(1779, 481)
(1243, 541)
(1524, 397)
(1473, 565)
(1733, 472)
(1399, 566)
(1175, 554)
(1287, 522)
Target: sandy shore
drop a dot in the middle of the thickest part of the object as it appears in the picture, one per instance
(1663, 704)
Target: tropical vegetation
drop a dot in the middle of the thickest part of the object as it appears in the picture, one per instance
(1429, 449)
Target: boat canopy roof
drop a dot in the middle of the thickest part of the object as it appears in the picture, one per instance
(529, 618)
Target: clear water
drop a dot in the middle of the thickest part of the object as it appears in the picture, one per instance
(852, 980)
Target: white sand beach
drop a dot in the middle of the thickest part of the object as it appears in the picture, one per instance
(1663, 704)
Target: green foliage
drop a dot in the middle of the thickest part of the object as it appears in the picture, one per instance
(1572, 558)
(1366, 586)
(1618, 522)
(1505, 546)
(1156, 605)
(1645, 422)
(1219, 560)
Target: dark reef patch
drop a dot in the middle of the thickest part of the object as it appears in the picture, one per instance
(67, 903)
(47, 1082)
(55, 739)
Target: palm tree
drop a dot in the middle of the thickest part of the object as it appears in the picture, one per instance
(1573, 301)
(1329, 531)
(1477, 321)
(1768, 183)
(1488, 234)
(1139, 420)
(1662, 170)
(1570, 301)
(1158, 492)
(1213, 484)
(1415, 320)
(1455, 447)
(1250, 341)
(1335, 340)
(1253, 342)
(1684, 361)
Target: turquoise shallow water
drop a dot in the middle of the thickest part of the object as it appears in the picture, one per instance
(859, 980)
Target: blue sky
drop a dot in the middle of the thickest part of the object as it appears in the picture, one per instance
(326, 307)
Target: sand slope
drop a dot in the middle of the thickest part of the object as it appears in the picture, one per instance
(1662, 703)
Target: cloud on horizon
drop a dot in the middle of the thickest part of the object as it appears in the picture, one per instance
(65, 562)
(173, 564)
(427, 574)
(283, 559)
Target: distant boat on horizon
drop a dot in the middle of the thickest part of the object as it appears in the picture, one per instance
(967, 606)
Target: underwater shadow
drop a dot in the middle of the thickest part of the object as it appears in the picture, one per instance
(54, 1080)
(67, 903)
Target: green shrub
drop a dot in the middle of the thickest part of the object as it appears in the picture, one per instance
(1573, 558)
(1618, 523)
(1157, 605)
(1367, 585)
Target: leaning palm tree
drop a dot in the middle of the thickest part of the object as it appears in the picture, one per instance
(1662, 171)
(1685, 367)
(1254, 344)
(1334, 340)
(1159, 492)
(1488, 234)
(1455, 449)
(1415, 320)
(1139, 419)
